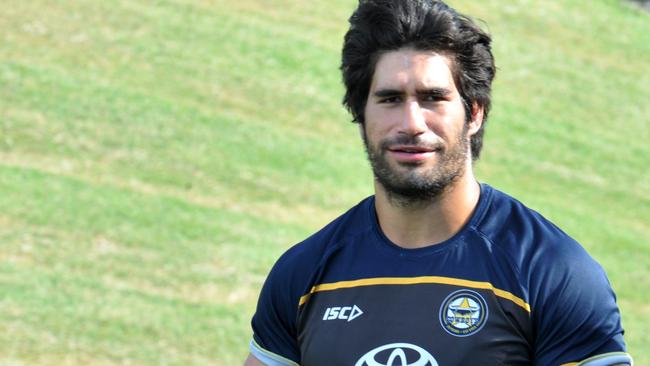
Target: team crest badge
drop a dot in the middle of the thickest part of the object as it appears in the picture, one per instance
(463, 313)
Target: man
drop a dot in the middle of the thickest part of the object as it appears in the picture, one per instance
(435, 268)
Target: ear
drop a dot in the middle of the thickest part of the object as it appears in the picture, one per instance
(476, 121)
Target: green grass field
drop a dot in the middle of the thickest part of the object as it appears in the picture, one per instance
(157, 157)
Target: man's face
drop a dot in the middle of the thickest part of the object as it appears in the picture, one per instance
(414, 129)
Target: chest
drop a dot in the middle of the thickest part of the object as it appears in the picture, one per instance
(402, 321)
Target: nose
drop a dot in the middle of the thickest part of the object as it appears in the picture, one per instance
(414, 121)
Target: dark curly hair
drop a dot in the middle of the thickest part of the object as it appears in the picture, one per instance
(377, 26)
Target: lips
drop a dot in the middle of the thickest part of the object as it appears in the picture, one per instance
(412, 154)
(410, 149)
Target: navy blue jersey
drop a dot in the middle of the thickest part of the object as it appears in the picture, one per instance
(510, 288)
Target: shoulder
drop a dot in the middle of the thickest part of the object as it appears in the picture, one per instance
(573, 307)
(300, 264)
(524, 233)
(293, 275)
(553, 268)
(543, 254)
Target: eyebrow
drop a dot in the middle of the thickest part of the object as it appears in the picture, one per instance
(436, 91)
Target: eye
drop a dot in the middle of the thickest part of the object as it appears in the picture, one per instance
(390, 100)
(432, 98)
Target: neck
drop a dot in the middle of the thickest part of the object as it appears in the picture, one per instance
(426, 223)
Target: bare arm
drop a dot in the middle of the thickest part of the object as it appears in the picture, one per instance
(252, 361)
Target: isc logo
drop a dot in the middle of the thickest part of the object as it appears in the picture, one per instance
(348, 313)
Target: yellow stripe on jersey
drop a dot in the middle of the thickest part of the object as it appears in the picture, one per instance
(415, 281)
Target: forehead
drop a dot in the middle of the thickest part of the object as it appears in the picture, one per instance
(408, 68)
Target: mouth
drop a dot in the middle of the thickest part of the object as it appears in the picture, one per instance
(410, 149)
(412, 153)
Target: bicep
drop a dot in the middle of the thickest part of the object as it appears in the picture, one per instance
(576, 315)
(274, 323)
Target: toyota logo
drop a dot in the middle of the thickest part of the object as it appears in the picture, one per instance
(397, 354)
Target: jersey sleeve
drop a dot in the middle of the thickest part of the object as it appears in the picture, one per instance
(274, 323)
(575, 312)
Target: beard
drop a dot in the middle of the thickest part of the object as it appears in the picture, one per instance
(413, 184)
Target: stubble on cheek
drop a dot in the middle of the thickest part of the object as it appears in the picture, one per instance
(411, 183)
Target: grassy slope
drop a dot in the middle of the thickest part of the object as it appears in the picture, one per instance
(156, 159)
